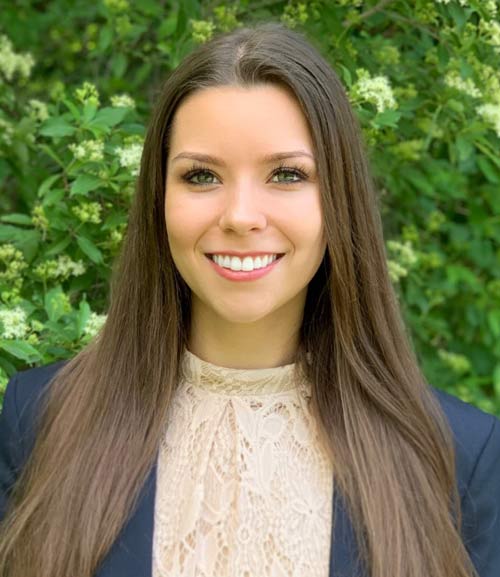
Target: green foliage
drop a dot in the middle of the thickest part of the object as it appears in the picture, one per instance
(422, 76)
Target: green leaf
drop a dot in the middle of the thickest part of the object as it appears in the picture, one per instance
(29, 244)
(84, 183)
(72, 108)
(53, 197)
(108, 117)
(119, 64)
(113, 220)
(21, 350)
(387, 118)
(57, 247)
(54, 303)
(17, 218)
(82, 317)
(47, 184)
(90, 249)
(168, 26)
(105, 38)
(56, 127)
(494, 322)
(89, 111)
(10, 233)
(491, 173)
(49, 152)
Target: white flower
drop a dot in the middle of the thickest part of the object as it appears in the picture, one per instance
(491, 113)
(461, 2)
(65, 267)
(14, 323)
(492, 31)
(130, 157)
(454, 80)
(122, 101)
(376, 90)
(88, 150)
(94, 324)
(10, 62)
(404, 251)
(38, 110)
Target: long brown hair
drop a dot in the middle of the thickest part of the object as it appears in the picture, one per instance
(390, 443)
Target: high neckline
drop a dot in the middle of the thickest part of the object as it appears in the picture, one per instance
(230, 381)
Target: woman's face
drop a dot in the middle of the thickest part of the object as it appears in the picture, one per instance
(242, 201)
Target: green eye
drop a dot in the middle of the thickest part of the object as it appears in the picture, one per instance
(196, 173)
(294, 173)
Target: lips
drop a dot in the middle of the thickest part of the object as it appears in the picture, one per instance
(243, 255)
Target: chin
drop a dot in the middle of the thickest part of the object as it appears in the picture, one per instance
(243, 316)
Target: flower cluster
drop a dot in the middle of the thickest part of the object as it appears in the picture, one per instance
(61, 268)
(37, 110)
(435, 220)
(13, 260)
(490, 82)
(226, 17)
(461, 2)
(122, 101)
(491, 31)
(117, 5)
(459, 364)
(130, 156)
(10, 62)
(14, 323)
(203, 30)
(353, 3)
(491, 113)
(94, 324)
(88, 150)
(88, 212)
(406, 258)
(388, 54)
(467, 86)
(295, 14)
(39, 219)
(409, 149)
(87, 94)
(376, 90)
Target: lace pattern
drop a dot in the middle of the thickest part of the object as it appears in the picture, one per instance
(243, 486)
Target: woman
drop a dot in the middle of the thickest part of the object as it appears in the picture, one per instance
(244, 416)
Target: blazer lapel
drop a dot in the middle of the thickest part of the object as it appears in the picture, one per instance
(131, 554)
(344, 552)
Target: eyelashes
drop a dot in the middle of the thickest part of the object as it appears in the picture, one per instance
(300, 172)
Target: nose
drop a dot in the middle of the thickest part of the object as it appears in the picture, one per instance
(242, 210)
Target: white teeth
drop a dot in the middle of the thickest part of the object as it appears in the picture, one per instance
(247, 264)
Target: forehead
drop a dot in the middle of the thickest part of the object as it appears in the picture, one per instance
(259, 115)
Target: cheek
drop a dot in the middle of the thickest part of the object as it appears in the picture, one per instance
(306, 222)
(184, 222)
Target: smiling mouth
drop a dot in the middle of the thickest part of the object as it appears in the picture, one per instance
(278, 257)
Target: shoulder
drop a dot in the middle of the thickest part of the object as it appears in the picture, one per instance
(22, 399)
(476, 436)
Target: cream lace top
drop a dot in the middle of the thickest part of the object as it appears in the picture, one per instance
(243, 487)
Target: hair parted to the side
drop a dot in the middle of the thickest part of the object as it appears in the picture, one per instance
(100, 430)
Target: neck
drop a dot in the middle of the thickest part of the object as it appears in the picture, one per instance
(269, 342)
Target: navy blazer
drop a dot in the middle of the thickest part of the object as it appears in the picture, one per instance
(477, 442)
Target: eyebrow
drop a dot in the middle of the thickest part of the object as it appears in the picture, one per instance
(267, 158)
